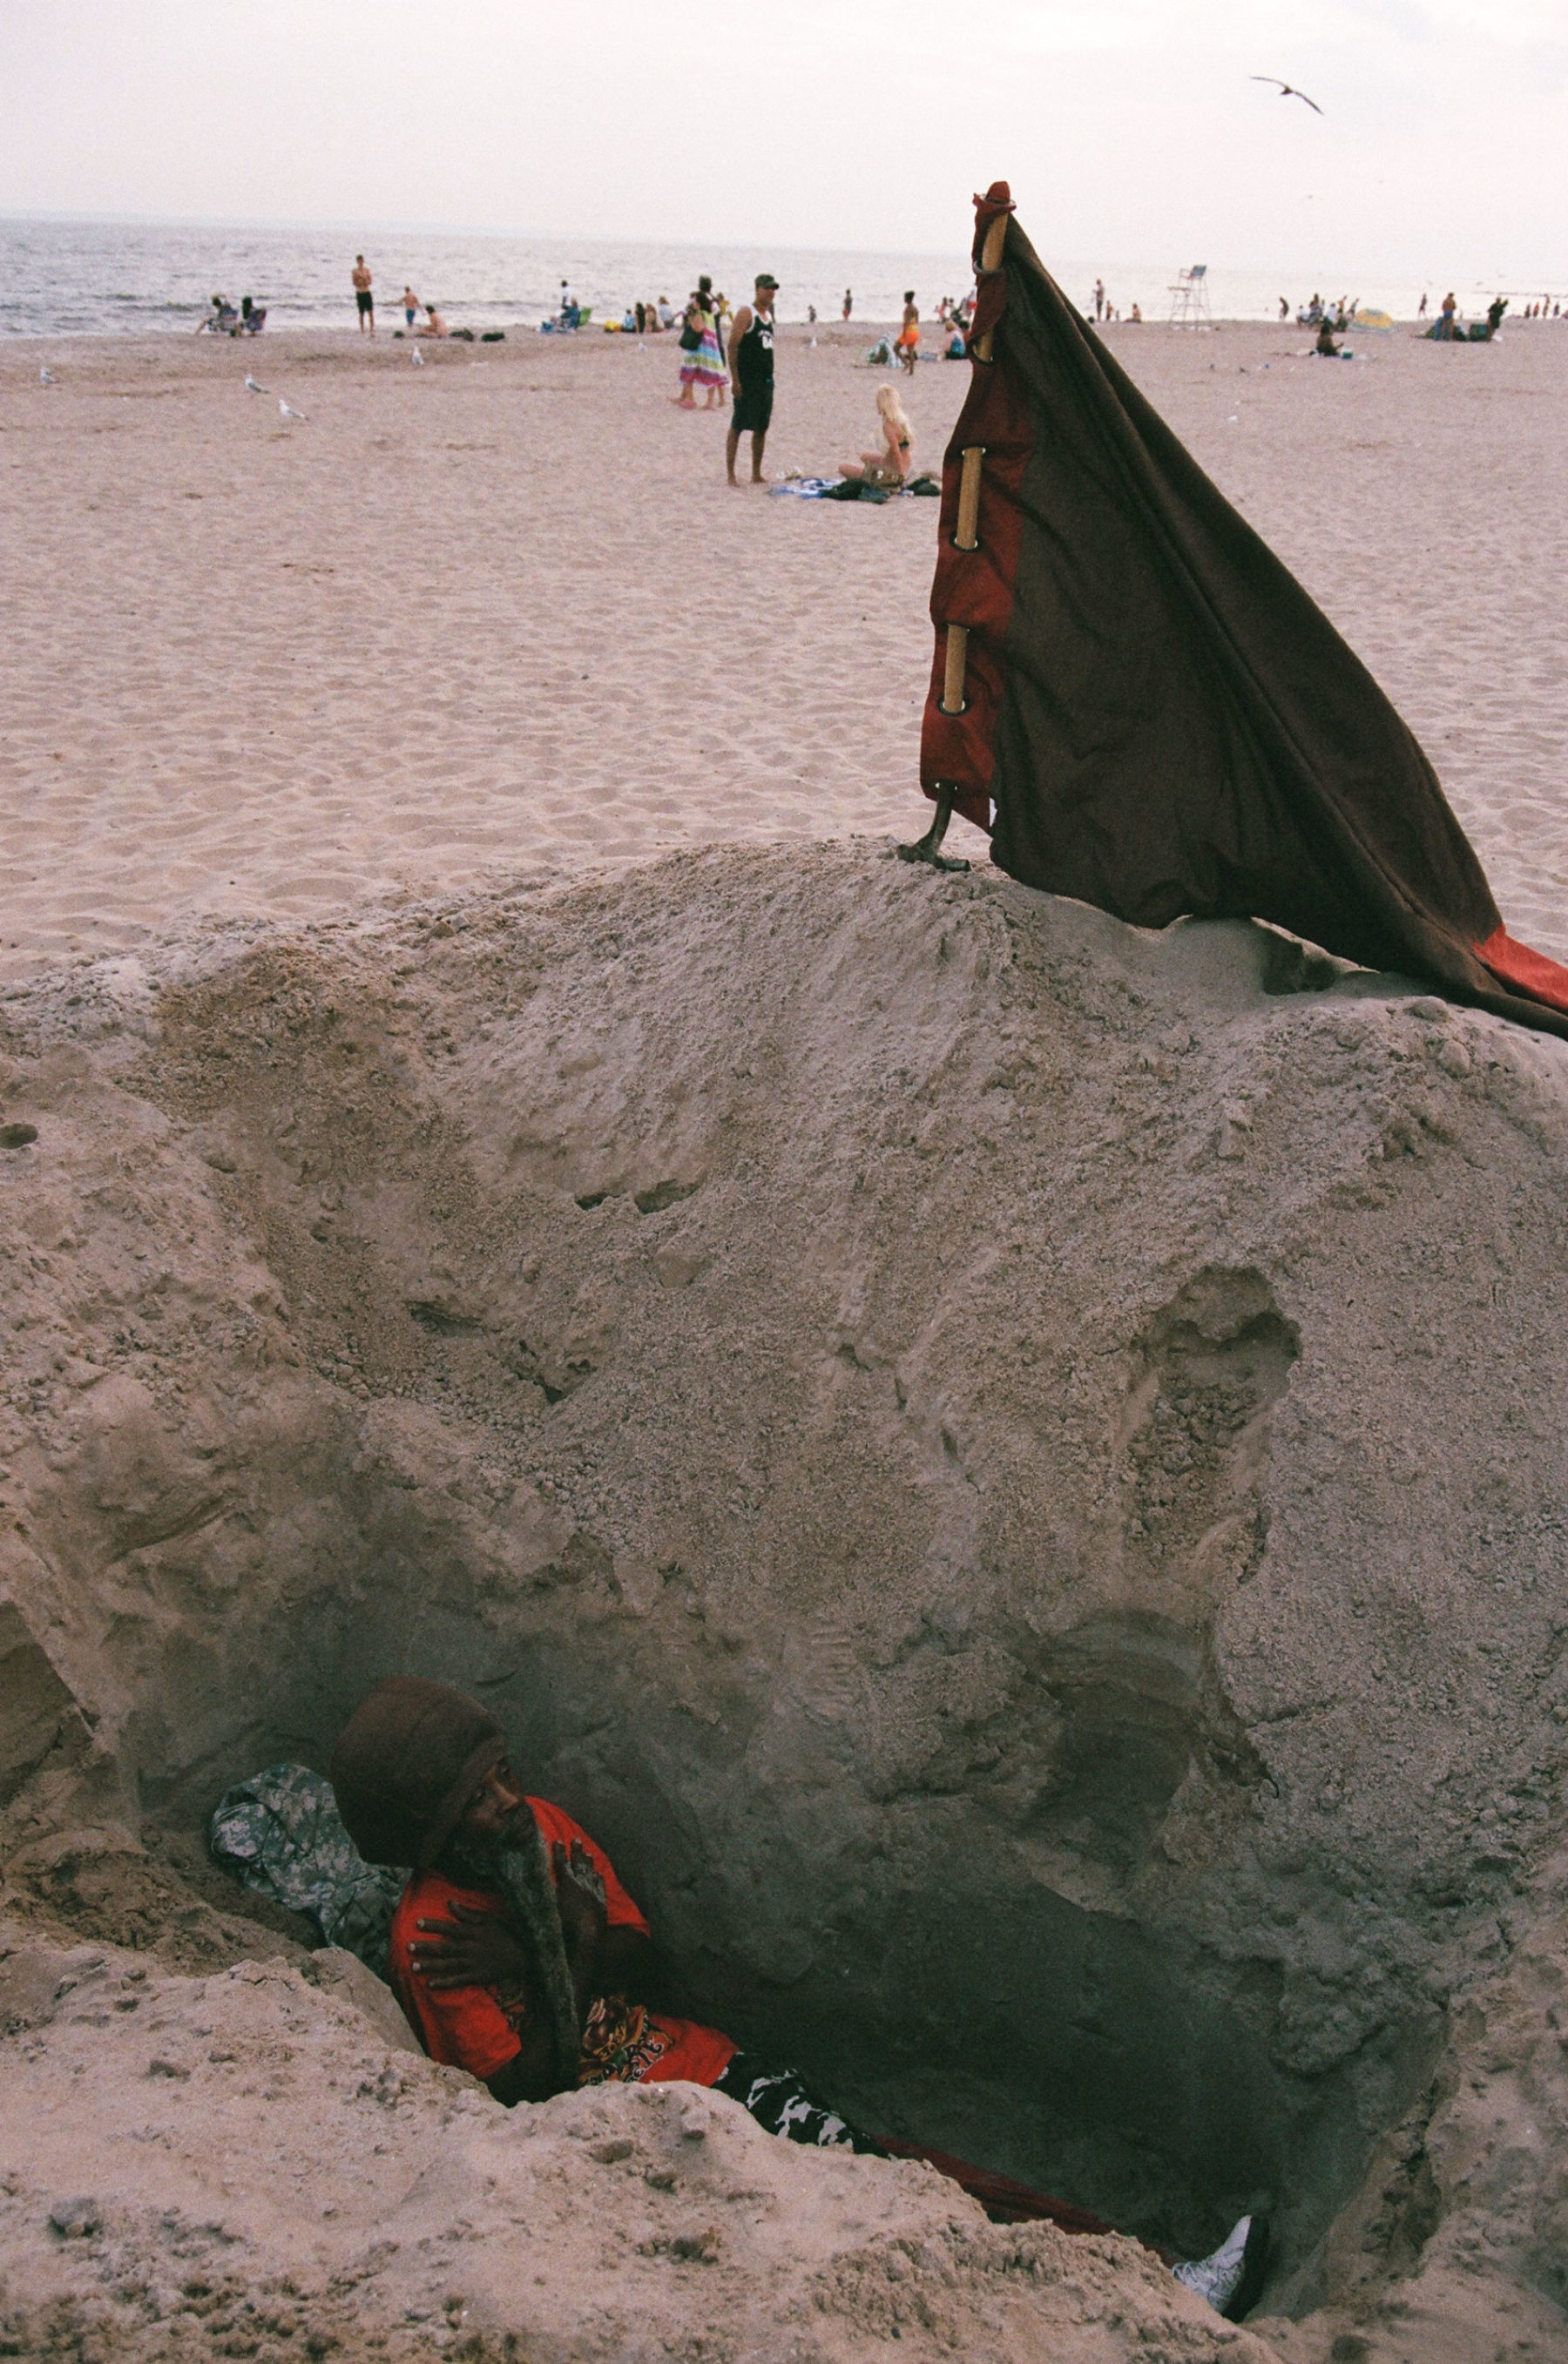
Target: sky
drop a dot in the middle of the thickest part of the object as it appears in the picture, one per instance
(1130, 129)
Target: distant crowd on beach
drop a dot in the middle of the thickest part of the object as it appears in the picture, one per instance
(363, 281)
(435, 323)
(1105, 310)
(1344, 313)
(705, 323)
(729, 356)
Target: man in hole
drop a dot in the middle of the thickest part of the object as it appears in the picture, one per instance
(518, 1955)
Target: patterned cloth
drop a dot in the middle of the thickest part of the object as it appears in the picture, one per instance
(779, 2100)
(706, 365)
(622, 2043)
(283, 1837)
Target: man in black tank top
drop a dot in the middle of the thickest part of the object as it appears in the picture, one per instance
(751, 370)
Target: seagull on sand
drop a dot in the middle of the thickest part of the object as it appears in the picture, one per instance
(1287, 90)
(251, 386)
(46, 376)
(287, 410)
(419, 357)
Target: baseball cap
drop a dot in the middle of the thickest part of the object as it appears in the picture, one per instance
(765, 279)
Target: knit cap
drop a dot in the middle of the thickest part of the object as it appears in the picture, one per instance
(406, 1763)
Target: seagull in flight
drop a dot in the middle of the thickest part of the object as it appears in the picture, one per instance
(252, 387)
(1287, 90)
(46, 376)
(287, 410)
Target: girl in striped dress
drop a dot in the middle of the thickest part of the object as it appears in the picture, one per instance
(701, 363)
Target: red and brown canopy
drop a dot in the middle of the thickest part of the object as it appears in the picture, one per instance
(1162, 717)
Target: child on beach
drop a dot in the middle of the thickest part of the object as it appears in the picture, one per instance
(702, 363)
(907, 350)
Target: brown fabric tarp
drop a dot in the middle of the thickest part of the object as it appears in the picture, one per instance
(1164, 720)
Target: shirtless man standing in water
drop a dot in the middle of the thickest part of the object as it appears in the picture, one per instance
(363, 297)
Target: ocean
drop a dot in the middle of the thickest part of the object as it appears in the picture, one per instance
(72, 278)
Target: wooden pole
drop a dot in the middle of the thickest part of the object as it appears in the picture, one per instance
(953, 676)
(967, 535)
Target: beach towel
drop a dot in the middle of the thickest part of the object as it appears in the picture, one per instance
(281, 1833)
(1164, 721)
(853, 488)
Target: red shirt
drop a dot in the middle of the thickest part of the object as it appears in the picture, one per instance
(478, 2028)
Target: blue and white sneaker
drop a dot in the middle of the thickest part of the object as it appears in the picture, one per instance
(1231, 2277)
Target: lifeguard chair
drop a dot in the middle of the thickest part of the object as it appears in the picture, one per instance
(1190, 299)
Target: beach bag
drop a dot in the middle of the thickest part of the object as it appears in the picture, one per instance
(690, 339)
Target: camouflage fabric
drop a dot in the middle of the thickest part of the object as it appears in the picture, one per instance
(281, 1833)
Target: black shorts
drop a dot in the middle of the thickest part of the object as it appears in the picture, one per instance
(365, 300)
(752, 412)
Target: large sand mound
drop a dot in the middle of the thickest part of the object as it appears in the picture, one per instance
(1009, 1468)
(266, 2177)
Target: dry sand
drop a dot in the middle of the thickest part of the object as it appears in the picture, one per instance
(1010, 1469)
(502, 610)
(266, 2176)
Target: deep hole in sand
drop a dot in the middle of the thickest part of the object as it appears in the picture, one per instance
(599, 1309)
(1080, 2048)
(1084, 2050)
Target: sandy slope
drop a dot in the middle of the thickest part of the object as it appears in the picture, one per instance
(502, 610)
(1009, 1468)
(263, 2176)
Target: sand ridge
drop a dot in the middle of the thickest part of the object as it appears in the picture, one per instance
(266, 2177)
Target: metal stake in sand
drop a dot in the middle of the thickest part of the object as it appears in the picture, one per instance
(955, 645)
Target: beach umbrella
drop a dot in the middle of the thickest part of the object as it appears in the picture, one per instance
(1140, 702)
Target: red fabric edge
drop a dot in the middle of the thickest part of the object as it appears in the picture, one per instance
(1530, 973)
(975, 587)
(1005, 2200)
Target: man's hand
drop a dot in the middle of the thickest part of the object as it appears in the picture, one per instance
(474, 1948)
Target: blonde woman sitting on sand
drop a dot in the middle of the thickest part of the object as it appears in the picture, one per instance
(889, 467)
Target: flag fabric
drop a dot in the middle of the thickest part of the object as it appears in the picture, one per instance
(1163, 720)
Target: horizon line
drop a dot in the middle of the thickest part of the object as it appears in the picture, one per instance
(391, 226)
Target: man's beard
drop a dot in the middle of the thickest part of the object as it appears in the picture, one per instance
(514, 1862)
